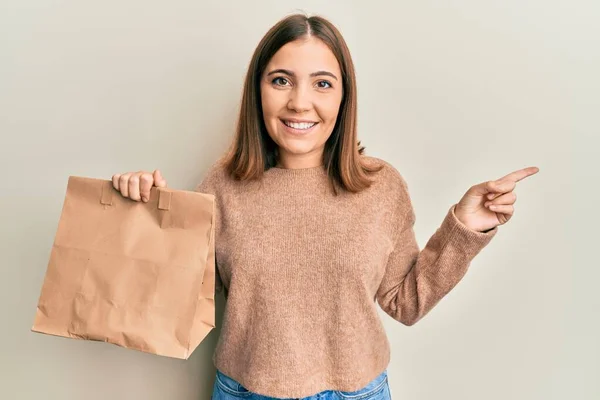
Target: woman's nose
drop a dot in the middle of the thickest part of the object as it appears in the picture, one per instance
(299, 100)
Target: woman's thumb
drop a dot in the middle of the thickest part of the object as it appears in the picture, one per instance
(159, 181)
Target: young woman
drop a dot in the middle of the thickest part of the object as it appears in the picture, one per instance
(311, 233)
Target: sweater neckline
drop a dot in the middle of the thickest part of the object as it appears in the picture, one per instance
(310, 171)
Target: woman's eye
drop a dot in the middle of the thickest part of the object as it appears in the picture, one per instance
(326, 83)
(278, 78)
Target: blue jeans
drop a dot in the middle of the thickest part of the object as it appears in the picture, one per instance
(226, 388)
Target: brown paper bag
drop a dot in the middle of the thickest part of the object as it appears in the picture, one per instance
(138, 275)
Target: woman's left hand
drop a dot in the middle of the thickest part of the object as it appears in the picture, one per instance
(490, 203)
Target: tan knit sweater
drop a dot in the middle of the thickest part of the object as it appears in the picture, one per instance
(303, 271)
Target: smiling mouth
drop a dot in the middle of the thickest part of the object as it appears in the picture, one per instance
(299, 126)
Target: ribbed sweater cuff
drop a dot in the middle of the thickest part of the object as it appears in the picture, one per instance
(463, 238)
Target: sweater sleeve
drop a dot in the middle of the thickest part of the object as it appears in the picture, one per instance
(416, 280)
(209, 186)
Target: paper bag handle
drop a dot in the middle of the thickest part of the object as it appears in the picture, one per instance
(164, 196)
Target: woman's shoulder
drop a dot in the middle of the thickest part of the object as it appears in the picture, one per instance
(213, 178)
(389, 174)
(393, 188)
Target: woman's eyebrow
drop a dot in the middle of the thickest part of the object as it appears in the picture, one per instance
(292, 74)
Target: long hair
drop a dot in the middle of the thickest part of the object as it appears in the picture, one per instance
(252, 150)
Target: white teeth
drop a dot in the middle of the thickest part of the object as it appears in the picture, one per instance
(301, 125)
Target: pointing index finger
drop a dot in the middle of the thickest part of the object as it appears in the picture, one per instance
(521, 174)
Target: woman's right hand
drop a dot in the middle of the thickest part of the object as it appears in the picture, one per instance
(137, 185)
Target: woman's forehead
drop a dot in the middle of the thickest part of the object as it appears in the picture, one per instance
(303, 57)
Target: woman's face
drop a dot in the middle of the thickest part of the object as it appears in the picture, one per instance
(302, 87)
